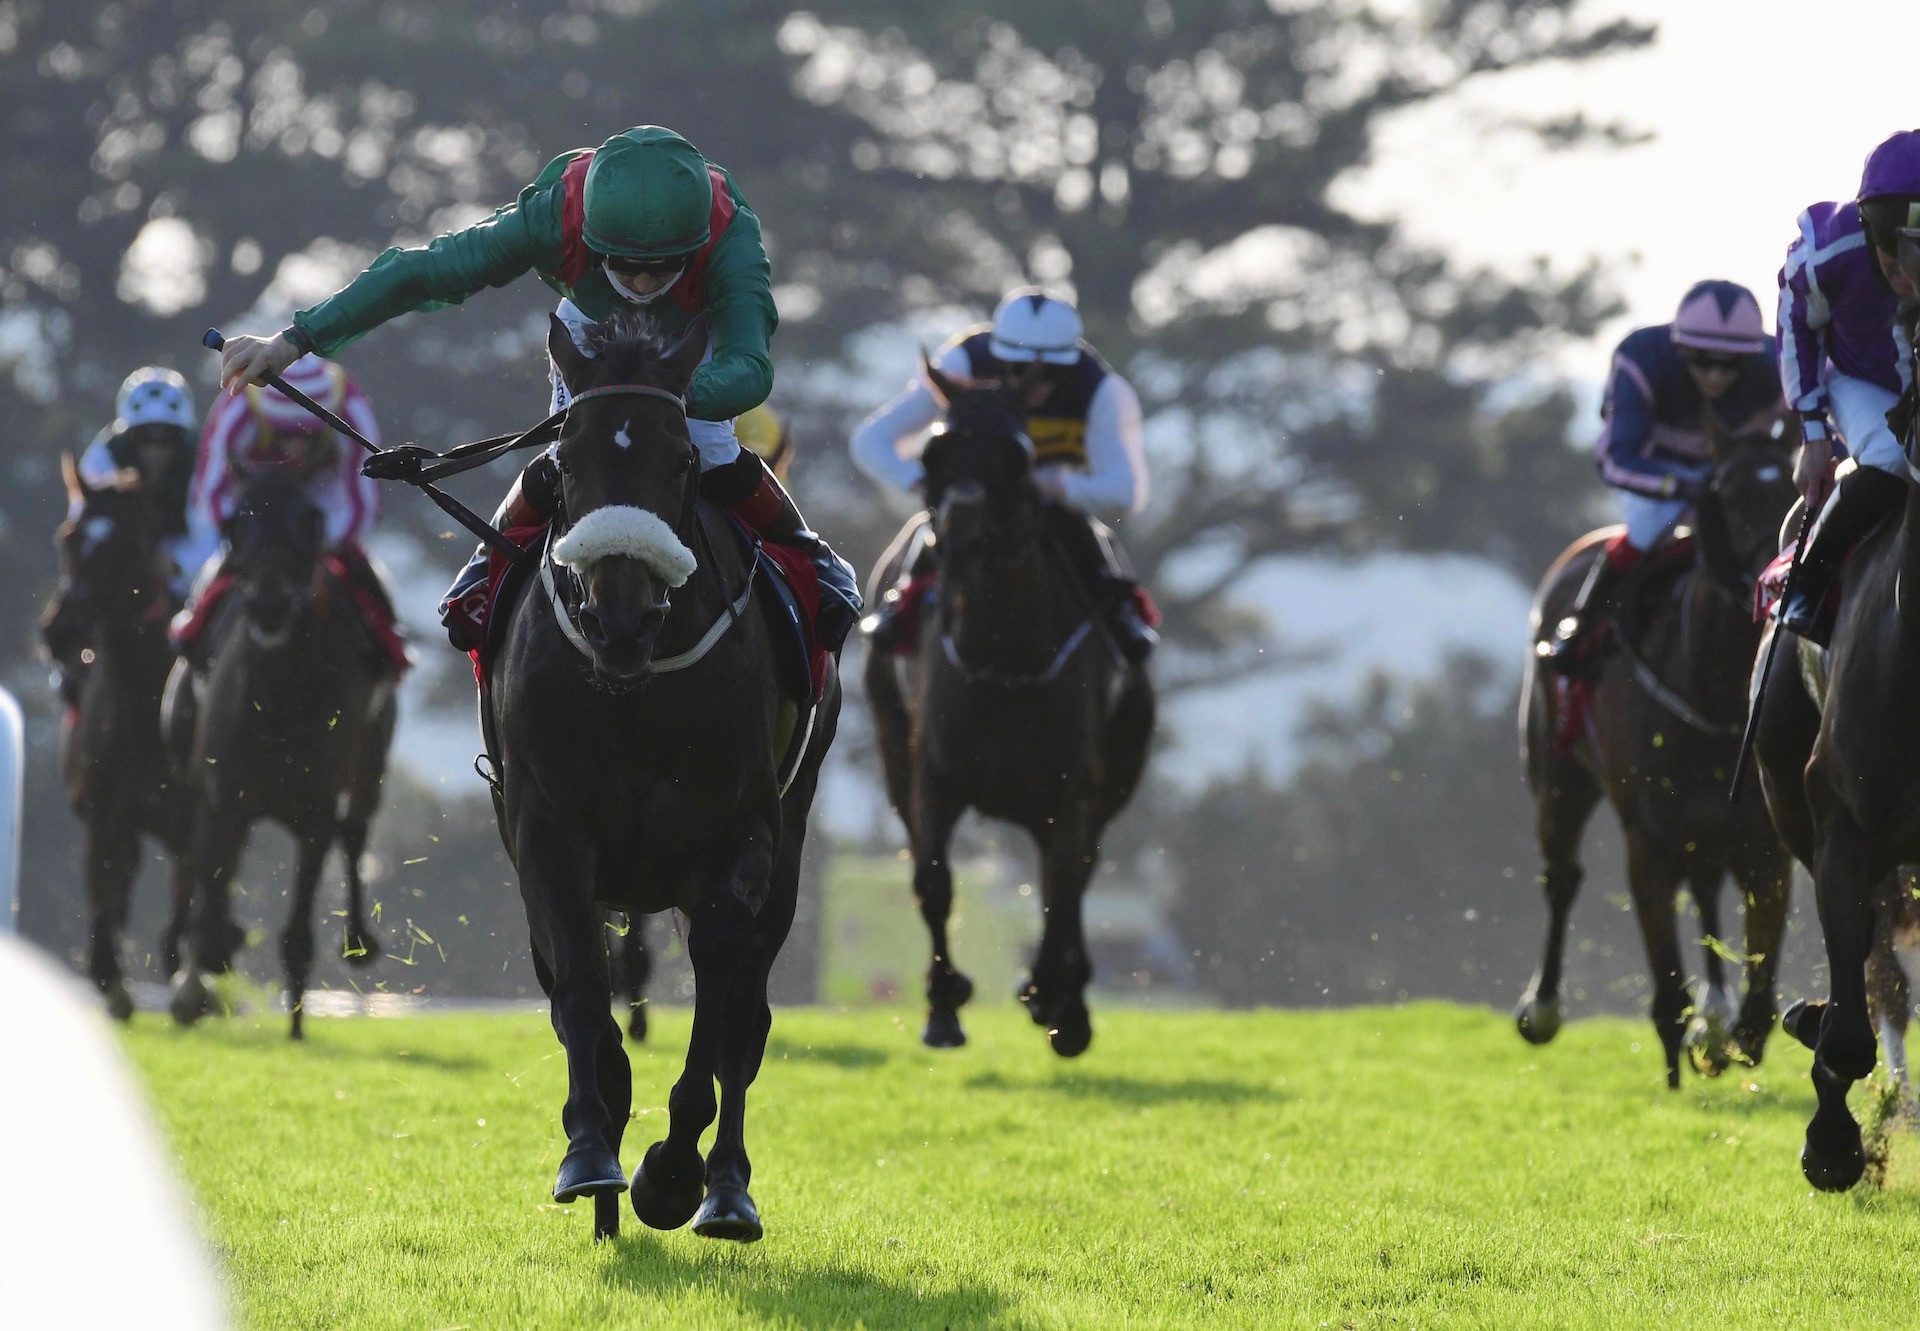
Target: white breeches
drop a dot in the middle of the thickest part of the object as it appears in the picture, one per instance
(1648, 519)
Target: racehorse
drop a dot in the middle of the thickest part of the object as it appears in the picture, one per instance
(1656, 732)
(640, 727)
(1016, 704)
(1835, 746)
(290, 721)
(115, 601)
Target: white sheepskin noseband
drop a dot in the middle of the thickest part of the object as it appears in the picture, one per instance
(622, 529)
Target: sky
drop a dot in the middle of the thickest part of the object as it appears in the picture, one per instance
(1758, 107)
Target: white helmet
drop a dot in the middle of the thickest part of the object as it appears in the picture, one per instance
(154, 395)
(1030, 325)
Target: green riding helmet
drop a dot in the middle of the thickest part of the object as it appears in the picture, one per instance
(648, 196)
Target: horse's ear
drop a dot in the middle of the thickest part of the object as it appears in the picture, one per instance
(945, 387)
(681, 359)
(71, 478)
(566, 353)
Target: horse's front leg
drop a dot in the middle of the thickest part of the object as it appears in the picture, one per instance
(296, 941)
(556, 863)
(360, 946)
(219, 836)
(670, 1184)
(1765, 885)
(1057, 994)
(112, 854)
(1844, 874)
(934, 814)
(729, 1211)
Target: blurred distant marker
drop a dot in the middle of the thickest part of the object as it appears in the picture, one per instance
(12, 774)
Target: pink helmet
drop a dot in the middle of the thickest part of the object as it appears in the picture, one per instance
(1720, 316)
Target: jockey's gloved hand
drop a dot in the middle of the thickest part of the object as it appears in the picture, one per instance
(402, 462)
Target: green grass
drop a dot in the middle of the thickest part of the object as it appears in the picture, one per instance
(1417, 1166)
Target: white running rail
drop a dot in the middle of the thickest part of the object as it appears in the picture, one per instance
(12, 776)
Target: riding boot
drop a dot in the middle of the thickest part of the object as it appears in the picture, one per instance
(1862, 499)
(751, 492)
(189, 630)
(530, 501)
(384, 631)
(1574, 647)
(1116, 594)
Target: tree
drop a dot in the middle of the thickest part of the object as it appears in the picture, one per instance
(1323, 383)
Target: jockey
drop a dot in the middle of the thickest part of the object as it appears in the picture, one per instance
(642, 220)
(149, 444)
(1715, 356)
(260, 428)
(151, 439)
(1842, 364)
(1085, 424)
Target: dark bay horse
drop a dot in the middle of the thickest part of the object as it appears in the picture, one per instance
(1015, 704)
(1659, 743)
(115, 599)
(291, 722)
(640, 742)
(1836, 748)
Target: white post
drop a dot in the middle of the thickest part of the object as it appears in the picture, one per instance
(13, 770)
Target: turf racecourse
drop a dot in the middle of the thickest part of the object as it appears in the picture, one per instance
(1408, 1167)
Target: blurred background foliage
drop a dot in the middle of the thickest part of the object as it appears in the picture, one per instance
(1316, 383)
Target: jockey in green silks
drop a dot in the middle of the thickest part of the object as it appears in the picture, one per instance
(642, 220)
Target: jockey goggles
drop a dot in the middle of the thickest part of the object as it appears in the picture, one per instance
(1720, 361)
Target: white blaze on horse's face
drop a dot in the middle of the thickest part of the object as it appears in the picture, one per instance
(620, 436)
(622, 529)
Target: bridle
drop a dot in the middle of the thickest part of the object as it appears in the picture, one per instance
(994, 560)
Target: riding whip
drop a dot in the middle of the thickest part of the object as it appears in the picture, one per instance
(214, 340)
(1773, 646)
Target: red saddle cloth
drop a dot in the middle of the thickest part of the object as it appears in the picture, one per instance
(191, 623)
(1771, 585)
(497, 565)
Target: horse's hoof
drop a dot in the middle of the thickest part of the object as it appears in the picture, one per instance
(1070, 1036)
(1538, 1019)
(119, 1002)
(1029, 996)
(728, 1213)
(1835, 1170)
(943, 1030)
(360, 949)
(667, 1193)
(192, 999)
(1801, 1020)
(1707, 1047)
(588, 1171)
(637, 1024)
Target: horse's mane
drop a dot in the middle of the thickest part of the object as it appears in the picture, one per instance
(627, 343)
